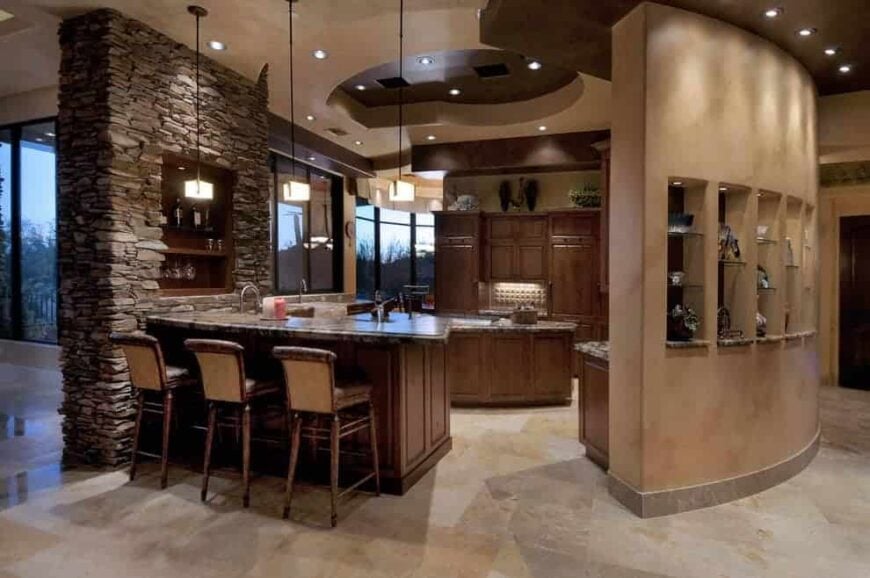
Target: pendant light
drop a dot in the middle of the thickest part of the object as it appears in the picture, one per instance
(198, 188)
(296, 189)
(401, 191)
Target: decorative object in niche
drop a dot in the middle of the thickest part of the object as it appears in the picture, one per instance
(588, 196)
(676, 278)
(723, 325)
(683, 323)
(680, 222)
(729, 246)
(466, 203)
(531, 193)
(762, 278)
(761, 231)
(505, 195)
(789, 253)
(760, 324)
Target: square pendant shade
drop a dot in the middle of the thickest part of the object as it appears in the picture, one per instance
(402, 191)
(297, 191)
(199, 189)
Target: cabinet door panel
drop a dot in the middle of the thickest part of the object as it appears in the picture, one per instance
(573, 273)
(465, 371)
(456, 278)
(595, 406)
(502, 227)
(531, 262)
(552, 367)
(447, 226)
(532, 228)
(501, 262)
(574, 225)
(510, 367)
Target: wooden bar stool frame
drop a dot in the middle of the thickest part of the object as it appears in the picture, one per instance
(222, 365)
(149, 373)
(316, 397)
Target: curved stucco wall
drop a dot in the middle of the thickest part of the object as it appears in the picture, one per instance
(698, 98)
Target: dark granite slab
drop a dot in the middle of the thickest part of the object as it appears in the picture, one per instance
(363, 328)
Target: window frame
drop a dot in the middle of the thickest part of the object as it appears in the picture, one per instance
(16, 131)
(377, 221)
(278, 163)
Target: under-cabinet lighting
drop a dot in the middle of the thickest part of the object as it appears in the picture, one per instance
(198, 189)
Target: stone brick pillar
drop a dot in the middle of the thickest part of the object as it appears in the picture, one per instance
(126, 96)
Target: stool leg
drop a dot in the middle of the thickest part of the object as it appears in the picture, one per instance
(373, 435)
(136, 429)
(333, 458)
(167, 427)
(294, 458)
(209, 441)
(246, 454)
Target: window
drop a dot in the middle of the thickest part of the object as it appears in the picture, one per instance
(28, 243)
(393, 249)
(307, 244)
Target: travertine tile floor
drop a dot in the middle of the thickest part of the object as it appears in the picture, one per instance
(515, 498)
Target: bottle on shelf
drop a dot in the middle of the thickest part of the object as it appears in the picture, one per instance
(177, 214)
(197, 217)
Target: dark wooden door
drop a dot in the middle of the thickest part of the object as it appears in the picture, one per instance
(456, 278)
(574, 274)
(855, 302)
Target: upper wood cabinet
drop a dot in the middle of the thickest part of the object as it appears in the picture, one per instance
(516, 248)
(457, 262)
(574, 267)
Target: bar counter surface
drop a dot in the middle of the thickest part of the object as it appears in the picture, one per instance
(406, 359)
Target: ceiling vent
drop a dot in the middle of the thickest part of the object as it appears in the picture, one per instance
(492, 70)
(394, 82)
(337, 131)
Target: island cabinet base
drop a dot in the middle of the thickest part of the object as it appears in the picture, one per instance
(410, 396)
(509, 368)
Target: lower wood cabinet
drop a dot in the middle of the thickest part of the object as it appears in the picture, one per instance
(503, 368)
(594, 408)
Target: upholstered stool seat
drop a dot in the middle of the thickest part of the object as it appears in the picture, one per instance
(149, 373)
(226, 387)
(313, 394)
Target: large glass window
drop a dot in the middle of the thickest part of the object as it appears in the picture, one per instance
(393, 249)
(308, 245)
(28, 242)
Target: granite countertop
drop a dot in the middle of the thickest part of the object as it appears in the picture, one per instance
(398, 329)
(599, 349)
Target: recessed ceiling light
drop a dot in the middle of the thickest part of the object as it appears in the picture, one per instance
(542, 128)
(310, 118)
(50, 134)
(320, 54)
(832, 51)
(426, 60)
(846, 68)
(358, 142)
(4, 16)
(772, 12)
(430, 137)
(534, 65)
(455, 92)
(182, 168)
(216, 45)
(312, 159)
(360, 87)
(806, 32)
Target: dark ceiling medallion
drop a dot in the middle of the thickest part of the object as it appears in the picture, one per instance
(394, 82)
(492, 71)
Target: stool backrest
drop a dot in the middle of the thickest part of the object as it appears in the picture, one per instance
(222, 367)
(144, 359)
(310, 378)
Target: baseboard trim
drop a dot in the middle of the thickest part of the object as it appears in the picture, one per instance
(666, 502)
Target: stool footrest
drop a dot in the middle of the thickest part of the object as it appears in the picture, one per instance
(357, 484)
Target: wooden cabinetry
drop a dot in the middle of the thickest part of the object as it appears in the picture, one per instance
(457, 262)
(594, 408)
(513, 368)
(516, 248)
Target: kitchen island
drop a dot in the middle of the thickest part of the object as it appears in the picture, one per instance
(415, 364)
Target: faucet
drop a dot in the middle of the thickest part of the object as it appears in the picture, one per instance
(303, 288)
(257, 305)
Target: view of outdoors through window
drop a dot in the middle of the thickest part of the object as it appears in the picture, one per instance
(385, 259)
(35, 319)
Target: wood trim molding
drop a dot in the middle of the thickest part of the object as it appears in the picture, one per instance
(666, 502)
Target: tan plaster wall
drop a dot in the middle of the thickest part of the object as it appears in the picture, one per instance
(834, 203)
(701, 100)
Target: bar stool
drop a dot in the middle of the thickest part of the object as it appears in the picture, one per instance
(148, 373)
(312, 393)
(222, 366)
